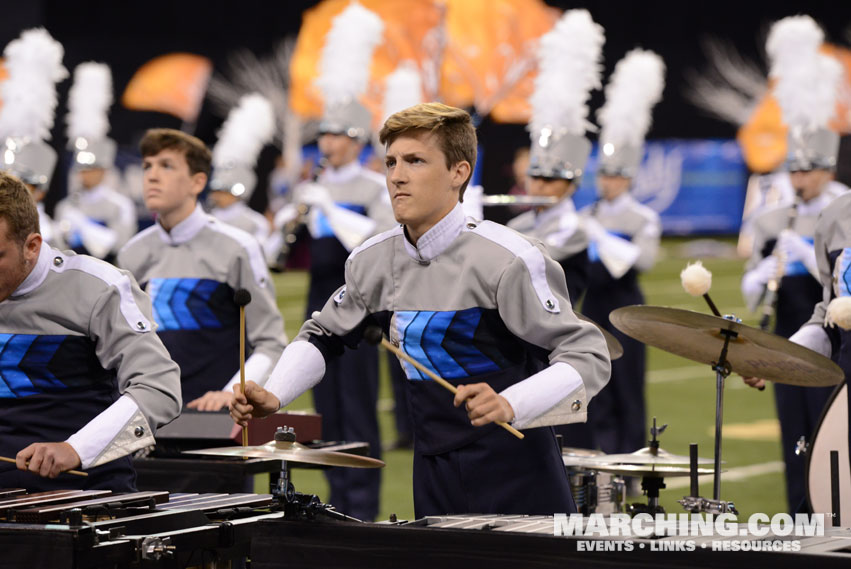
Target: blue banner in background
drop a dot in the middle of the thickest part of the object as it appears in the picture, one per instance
(696, 186)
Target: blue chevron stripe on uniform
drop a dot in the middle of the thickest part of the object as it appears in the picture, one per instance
(182, 303)
(443, 341)
(843, 272)
(23, 364)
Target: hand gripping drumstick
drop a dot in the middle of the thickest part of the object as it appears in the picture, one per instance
(242, 297)
(374, 336)
(74, 472)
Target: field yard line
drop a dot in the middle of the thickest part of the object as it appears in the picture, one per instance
(677, 373)
(735, 474)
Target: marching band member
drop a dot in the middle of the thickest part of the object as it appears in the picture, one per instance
(95, 219)
(348, 203)
(84, 381)
(504, 333)
(34, 64)
(191, 264)
(568, 70)
(249, 127)
(783, 258)
(624, 242)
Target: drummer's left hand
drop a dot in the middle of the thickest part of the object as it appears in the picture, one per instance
(48, 459)
(484, 405)
(211, 401)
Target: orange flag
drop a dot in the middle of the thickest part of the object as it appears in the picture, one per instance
(174, 83)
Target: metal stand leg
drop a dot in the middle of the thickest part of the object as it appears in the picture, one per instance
(719, 414)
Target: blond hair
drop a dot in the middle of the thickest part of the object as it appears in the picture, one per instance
(17, 207)
(453, 128)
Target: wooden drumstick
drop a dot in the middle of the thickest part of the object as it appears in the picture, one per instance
(74, 472)
(373, 335)
(242, 297)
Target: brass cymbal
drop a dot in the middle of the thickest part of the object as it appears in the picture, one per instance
(651, 471)
(612, 343)
(644, 457)
(752, 352)
(294, 452)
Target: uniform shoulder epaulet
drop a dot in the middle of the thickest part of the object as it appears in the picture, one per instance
(248, 243)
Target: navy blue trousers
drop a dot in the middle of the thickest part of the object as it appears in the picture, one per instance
(346, 398)
(496, 474)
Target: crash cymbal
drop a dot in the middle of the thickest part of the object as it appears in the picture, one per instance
(752, 352)
(615, 348)
(644, 457)
(650, 471)
(293, 452)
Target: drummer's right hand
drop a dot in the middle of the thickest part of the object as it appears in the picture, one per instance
(255, 403)
(755, 382)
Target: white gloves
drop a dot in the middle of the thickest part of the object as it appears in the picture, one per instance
(795, 248)
(314, 195)
(617, 254)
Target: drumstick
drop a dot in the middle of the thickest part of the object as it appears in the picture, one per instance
(74, 472)
(242, 297)
(373, 335)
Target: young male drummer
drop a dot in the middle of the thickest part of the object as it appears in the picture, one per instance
(482, 306)
(84, 380)
(191, 264)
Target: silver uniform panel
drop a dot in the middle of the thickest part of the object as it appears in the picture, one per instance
(558, 227)
(627, 218)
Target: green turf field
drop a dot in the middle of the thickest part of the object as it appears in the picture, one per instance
(679, 393)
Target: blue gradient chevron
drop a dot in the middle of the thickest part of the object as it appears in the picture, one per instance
(24, 361)
(443, 342)
(182, 304)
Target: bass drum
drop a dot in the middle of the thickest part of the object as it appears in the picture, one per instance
(831, 434)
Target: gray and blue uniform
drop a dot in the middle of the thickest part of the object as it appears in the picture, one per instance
(798, 408)
(191, 273)
(632, 232)
(348, 396)
(115, 213)
(243, 217)
(474, 302)
(80, 362)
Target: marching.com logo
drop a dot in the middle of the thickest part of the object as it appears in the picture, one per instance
(760, 533)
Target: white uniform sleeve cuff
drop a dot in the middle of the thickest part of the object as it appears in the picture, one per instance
(119, 430)
(301, 367)
(553, 396)
(256, 370)
(813, 337)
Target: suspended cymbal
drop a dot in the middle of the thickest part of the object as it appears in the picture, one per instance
(612, 343)
(294, 452)
(644, 457)
(650, 471)
(752, 352)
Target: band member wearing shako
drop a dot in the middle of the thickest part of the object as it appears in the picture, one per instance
(84, 380)
(348, 203)
(191, 264)
(479, 304)
(782, 270)
(559, 148)
(249, 127)
(624, 238)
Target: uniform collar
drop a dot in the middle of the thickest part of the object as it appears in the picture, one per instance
(92, 196)
(435, 241)
(230, 212)
(616, 205)
(815, 205)
(39, 272)
(564, 207)
(186, 229)
(342, 174)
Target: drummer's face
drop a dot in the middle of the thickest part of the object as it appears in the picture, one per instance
(551, 187)
(16, 259)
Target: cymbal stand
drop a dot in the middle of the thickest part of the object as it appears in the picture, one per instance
(722, 370)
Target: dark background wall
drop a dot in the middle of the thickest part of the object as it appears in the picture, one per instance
(126, 34)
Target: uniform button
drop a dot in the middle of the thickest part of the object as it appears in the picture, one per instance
(471, 226)
(139, 431)
(549, 304)
(57, 261)
(577, 405)
(141, 325)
